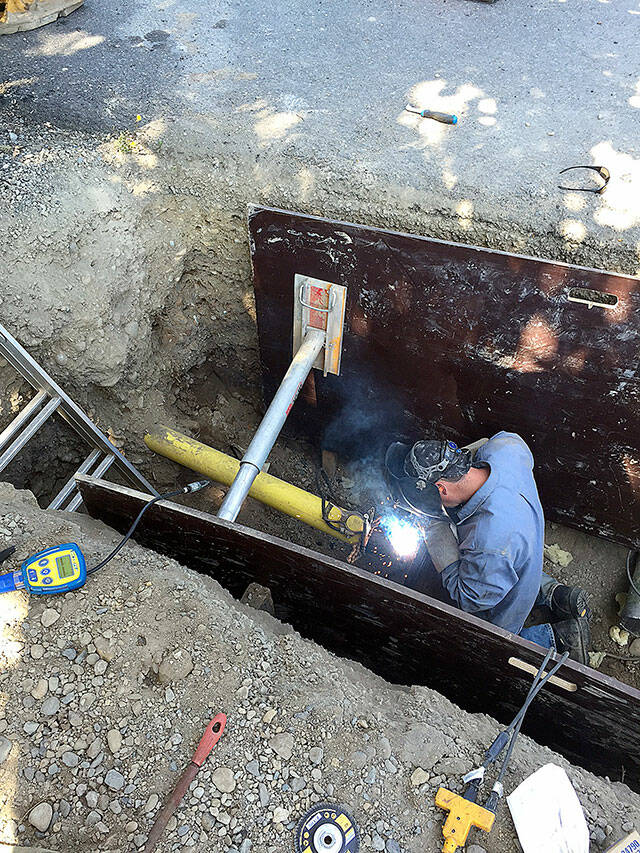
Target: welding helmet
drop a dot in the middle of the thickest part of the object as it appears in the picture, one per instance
(404, 489)
(430, 461)
(411, 472)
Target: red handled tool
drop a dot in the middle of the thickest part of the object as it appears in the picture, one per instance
(209, 739)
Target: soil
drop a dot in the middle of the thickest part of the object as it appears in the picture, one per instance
(105, 693)
(133, 288)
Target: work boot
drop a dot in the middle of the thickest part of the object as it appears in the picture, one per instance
(573, 636)
(570, 602)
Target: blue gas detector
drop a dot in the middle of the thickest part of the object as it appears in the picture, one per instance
(63, 568)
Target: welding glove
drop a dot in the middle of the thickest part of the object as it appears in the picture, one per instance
(439, 537)
(441, 542)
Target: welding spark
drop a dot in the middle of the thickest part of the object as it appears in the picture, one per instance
(403, 534)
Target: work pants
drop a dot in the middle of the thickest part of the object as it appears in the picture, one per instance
(422, 576)
(542, 634)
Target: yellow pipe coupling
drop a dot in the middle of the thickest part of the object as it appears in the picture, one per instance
(291, 500)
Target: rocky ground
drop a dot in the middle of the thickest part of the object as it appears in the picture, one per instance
(132, 138)
(125, 262)
(105, 692)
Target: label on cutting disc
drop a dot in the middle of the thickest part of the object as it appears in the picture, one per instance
(327, 829)
(630, 844)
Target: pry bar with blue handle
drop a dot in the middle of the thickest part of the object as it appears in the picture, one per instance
(443, 118)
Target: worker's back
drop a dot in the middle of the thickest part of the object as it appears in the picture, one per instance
(501, 536)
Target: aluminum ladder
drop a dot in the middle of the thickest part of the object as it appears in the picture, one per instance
(50, 398)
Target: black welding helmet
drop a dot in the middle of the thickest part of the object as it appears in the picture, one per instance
(412, 470)
(430, 461)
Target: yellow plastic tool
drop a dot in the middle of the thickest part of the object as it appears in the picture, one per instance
(463, 816)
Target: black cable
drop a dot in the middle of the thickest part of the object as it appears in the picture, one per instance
(328, 502)
(632, 557)
(538, 683)
(7, 552)
(327, 499)
(502, 738)
(496, 794)
(185, 490)
(529, 700)
(493, 752)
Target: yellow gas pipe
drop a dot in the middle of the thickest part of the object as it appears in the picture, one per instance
(269, 490)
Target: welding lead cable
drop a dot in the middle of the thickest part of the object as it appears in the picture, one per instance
(498, 788)
(185, 490)
(516, 731)
(533, 693)
(535, 686)
(502, 738)
(538, 683)
(475, 777)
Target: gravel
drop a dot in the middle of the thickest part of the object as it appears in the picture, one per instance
(50, 706)
(223, 779)
(175, 666)
(114, 780)
(114, 740)
(49, 617)
(5, 748)
(282, 744)
(93, 761)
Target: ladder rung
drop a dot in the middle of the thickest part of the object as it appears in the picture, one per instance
(16, 435)
(70, 485)
(102, 468)
(28, 432)
(16, 424)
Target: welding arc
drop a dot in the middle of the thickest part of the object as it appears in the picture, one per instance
(326, 829)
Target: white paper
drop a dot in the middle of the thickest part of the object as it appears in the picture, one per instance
(547, 813)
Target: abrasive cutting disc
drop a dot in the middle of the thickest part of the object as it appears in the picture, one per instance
(327, 829)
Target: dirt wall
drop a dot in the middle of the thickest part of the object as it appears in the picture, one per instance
(126, 268)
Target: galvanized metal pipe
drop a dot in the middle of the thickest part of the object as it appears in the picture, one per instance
(272, 423)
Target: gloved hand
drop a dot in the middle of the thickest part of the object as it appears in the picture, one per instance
(440, 539)
(441, 542)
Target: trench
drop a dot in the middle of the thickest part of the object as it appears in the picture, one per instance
(405, 637)
(195, 365)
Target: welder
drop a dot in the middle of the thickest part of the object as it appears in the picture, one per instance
(484, 532)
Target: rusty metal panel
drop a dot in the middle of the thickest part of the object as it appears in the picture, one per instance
(457, 341)
(404, 636)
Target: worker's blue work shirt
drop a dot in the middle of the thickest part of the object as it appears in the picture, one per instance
(501, 538)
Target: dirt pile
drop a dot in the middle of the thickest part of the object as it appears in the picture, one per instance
(105, 693)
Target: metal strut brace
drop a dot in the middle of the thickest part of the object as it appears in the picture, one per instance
(271, 424)
(318, 322)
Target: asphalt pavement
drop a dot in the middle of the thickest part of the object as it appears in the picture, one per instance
(537, 86)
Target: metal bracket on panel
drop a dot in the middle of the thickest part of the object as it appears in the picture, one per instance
(320, 305)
